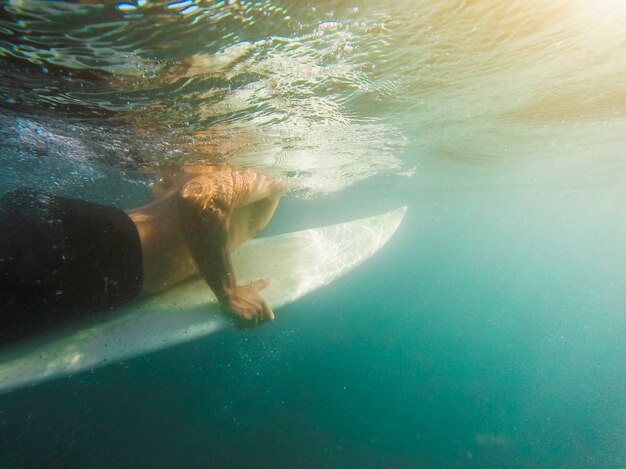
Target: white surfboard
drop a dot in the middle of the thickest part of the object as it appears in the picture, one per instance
(296, 263)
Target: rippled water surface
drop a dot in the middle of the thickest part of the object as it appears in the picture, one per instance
(490, 332)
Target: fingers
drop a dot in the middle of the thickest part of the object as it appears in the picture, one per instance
(266, 313)
(253, 320)
(249, 306)
(258, 312)
(263, 312)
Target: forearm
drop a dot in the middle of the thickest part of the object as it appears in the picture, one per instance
(207, 238)
(215, 266)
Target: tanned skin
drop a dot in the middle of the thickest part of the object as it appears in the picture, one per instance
(197, 218)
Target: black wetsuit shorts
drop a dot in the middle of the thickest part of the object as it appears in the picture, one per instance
(62, 260)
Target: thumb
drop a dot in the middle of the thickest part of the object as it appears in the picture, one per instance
(260, 284)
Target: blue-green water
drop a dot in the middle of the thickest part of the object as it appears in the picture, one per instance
(489, 332)
(483, 335)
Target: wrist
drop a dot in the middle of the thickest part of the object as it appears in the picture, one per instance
(226, 290)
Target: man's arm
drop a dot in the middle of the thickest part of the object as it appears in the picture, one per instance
(206, 206)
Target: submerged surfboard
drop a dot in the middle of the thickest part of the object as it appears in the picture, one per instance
(296, 263)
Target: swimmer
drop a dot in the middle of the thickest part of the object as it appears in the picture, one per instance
(64, 259)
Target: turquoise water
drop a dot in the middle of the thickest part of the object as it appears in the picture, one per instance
(489, 332)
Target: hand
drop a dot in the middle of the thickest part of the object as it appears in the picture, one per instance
(246, 303)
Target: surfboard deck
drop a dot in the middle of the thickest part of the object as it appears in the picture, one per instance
(296, 263)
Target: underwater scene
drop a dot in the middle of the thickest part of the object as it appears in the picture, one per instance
(476, 318)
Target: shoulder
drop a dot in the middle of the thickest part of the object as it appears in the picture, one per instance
(208, 191)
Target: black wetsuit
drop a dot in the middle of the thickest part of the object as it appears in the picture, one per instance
(62, 260)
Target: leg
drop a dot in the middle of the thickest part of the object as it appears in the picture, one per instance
(246, 222)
